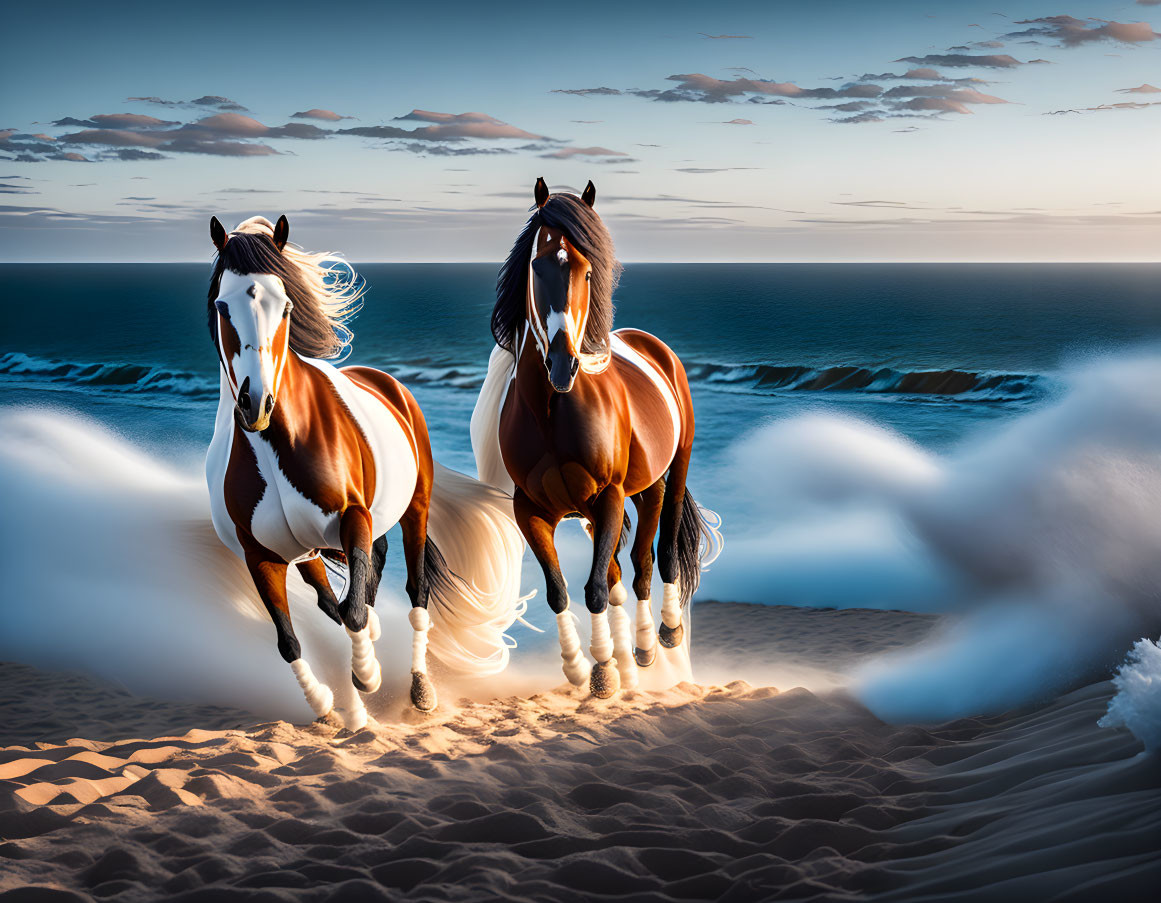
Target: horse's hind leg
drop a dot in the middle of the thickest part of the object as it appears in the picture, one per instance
(269, 575)
(671, 631)
(608, 514)
(414, 527)
(649, 503)
(355, 536)
(619, 622)
(314, 572)
(539, 527)
(378, 561)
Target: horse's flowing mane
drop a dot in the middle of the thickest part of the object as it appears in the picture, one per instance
(325, 289)
(584, 229)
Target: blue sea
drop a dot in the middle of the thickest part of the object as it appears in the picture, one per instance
(978, 440)
(932, 351)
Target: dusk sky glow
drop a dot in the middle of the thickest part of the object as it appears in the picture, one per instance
(821, 131)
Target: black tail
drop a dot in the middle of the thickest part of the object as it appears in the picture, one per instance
(438, 575)
(690, 533)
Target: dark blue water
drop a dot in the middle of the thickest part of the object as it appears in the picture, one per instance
(929, 350)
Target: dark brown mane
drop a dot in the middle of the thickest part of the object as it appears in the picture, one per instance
(585, 230)
(314, 330)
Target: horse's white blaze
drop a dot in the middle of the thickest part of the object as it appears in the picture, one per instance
(627, 353)
(555, 322)
(256, 304)
(562, 256)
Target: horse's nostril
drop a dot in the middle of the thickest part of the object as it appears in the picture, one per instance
(574, 366)
(269, 403)
(244, 401)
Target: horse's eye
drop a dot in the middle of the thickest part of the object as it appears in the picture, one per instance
(223, 308)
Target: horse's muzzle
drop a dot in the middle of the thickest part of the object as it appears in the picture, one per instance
(562, 367)
(253, 416)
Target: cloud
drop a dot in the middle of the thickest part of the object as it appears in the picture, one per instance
(1106, 107)
(222, 135)
(208, 100)
(316, 113)
(445, 127)
(940, 98)
(566, 153)
(697, 87)
(118, 121)
(1143, 88)
(449, 150)
(738, 122)
(727, 37)
(1072, 32)
(587, 92)
(963, 60)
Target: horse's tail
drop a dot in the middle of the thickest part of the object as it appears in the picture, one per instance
(699, 543)
(486, 421)
(472, 565)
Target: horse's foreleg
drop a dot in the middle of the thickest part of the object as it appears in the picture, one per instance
(314, 572)
(608, 514)
(269, 575)
(355, 536)
(648, 504)
(671, 630)
(414, 527)
(539, 527)
(620, 627)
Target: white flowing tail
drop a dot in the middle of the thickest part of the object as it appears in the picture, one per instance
(477, 598)
(486, 421)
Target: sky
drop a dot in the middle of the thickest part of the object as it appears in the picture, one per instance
(826, 130)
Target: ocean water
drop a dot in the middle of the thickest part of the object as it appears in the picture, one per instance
(976, 439)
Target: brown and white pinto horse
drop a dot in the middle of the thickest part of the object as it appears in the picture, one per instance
(310, 460)
(574, 419)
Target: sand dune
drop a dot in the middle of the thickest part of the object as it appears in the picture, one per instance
(726, 792)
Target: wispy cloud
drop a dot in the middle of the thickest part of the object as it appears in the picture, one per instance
(323, 115)
(963, 60)
(565, 153)
(444, 127)
(727, 37)
(1145, 88)
(208, 100)
(1068, 31)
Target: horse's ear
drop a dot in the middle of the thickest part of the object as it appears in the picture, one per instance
(540, 192)
(590, 193)
(281, 232)
(217, 233)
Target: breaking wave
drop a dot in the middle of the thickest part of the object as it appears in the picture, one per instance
(964, 385)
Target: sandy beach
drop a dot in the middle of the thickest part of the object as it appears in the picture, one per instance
(720, 791)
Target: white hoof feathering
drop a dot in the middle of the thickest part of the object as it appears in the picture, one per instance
(601, 645)
(364, 665)
(318, 695)
(373, 625)
(576, 667)
(671, 606)
(421, 623)
(623, 642)
(646, 630)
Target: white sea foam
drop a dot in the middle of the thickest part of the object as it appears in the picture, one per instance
(1137, 704)
(1041, 536)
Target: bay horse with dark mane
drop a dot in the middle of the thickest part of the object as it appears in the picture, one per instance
(308, 461)
(573, 419)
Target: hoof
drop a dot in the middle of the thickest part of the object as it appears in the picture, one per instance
(422, 693)
(670, 637)
(604, 680)
(645, 657)
(331, 610)
(366, 688)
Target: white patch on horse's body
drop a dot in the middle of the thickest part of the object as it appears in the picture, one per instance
(627, 353)
(287, 522)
